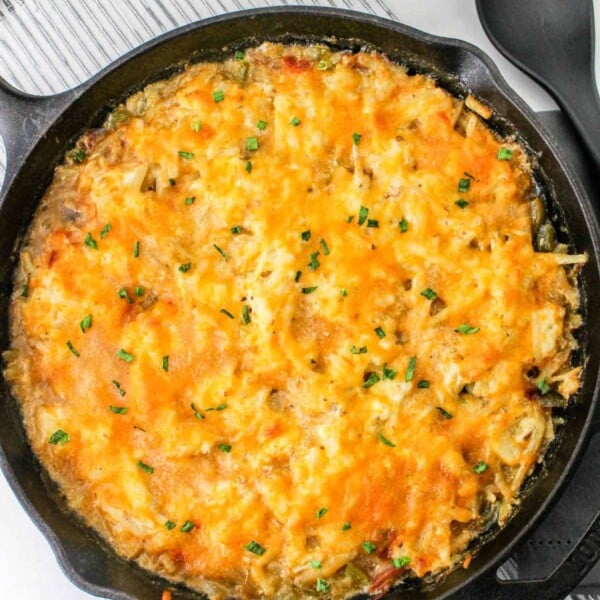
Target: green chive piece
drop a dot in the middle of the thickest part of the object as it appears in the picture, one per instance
(105, 231)
(305, 235)
(389, 373)
(170, 525)
(480, 467)
(239, 55)
(346, 526)
(90, 242)
(410, 369)
(461, 203)
(362, 215)
(504, 154)
(185, 267)
(172, 182)
(322, 512)
(118, 386)
(315, 564)
(136, 249)
(218, 96)
(221, 407)
(72, 348)
(372, 223)
(371, 380)
(86, 323)
(59, 437)
(124, 355)
(380, 332)
(423, 384)
(196, 125)
(249, 166)
(185, 154)
(190, 200)
(78, 156)
(444, 412)
(325, 247)
(350, 219)
(197, 413)
(309, 290)
(246, 314)
(343, 292)
(165, 363)
(324, 65)
(25, 290)
(187, 527)
(400, 562)
(429, 294)
(236, 230)
(356, 137)
(220, 251)
(255, 548)
(355, 350)
(227, 313)
(464, 185)
(138, 290)
(469, 175)
(314, 263)
(543, 386)
(295, 121)
(123, 294)
(322, 585)
(369, 547)
(297, 276)
(118, 410)
(385, 441)
(252, 143)
(144, 467)
(403, 225)
(224, 448)
(261, 125)
(466, 329)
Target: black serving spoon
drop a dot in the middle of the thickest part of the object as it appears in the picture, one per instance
(553, 42)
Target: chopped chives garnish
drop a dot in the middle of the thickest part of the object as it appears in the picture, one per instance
(59, 437)
(25, 290)
(464, 185)
(197, 413)
(372, 223)
(466, 329)
(187, 527)
(314, 261)
(221, 407)
(410, 370)
(124, 355)
(480, 467)
(400, 562)
(218, 96)
(252, 143)
(385, 441)
(118, 410)
(444, 412)
(504, 154)
(249, 166)
(423, 384)
(461, 203)
(105, 230)
(389, 373)
(185, 154)
(325, 247)
(295, 121)
(78, 155)
(165, 363)
(362, 215)
(170, 525)
(118, 386)
(185, 267)
(136, 249)
(138, 290)
(305, 235)
(90, 242)
(469, 175)
(239, 55)
(196, 125)
(261, 125)
(355, 350)
(72, 348)
(322, 585)
(324, 65)
(236, 230)
(124, 295)
(86, 323)
(227, 313)
(369, 547)
(255, 548)
(429, 294)
(297, 276)
(144, 467)
(350, 219)
(224, 448)
(315, 564)
(356, 137)
(220, 251)
(246, 314)
(321, 512)
(543, 386)
(309, 290)
(343, 292)
(346, 526)
(380, 332)
(403, 225)
(190, 200)
(371, 380)
(172, 182)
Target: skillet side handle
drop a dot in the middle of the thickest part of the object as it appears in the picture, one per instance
(556, 586)
(24, 119)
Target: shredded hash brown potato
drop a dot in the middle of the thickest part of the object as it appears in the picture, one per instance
(294, 323)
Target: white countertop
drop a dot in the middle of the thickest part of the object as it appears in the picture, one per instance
(29, 569)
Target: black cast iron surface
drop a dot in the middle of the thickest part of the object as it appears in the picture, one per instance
(91, 565)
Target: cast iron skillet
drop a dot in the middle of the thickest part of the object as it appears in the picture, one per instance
(38, 132)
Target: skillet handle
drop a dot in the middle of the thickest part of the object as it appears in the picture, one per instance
(24, 119)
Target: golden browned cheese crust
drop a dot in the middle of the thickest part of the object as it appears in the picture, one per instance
(280, 326)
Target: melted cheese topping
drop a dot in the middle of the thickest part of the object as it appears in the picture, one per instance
(241, 381)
